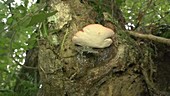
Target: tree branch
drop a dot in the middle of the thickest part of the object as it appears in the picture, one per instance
(150, 37)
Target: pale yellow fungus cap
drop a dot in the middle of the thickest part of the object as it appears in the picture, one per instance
(94, 35)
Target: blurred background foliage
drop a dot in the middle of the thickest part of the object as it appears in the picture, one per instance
(21, 21)
(20, 26)
(15, 38)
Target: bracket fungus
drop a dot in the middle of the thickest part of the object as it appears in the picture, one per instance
(94, 35)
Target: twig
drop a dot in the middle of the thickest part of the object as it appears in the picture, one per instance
(28, 67)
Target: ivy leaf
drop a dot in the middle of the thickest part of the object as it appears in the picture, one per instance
(40, 17)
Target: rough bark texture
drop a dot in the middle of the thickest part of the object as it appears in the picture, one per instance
(68, 70)
(162, 61)
(123, 69)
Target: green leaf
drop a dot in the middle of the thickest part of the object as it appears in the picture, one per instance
(26, 3)
(32, 41)
(51, 13)
(22, 9)
(40, 17)
(2, 25)
(9, 21)
(2, 5)
(25, 22)
(2, 15)
(119, 2)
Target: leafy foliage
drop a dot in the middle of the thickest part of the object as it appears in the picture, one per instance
(19, 28)
(147, 14)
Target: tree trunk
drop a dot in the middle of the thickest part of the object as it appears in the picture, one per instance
(68, 70)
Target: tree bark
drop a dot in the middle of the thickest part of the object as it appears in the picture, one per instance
(67, 70)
